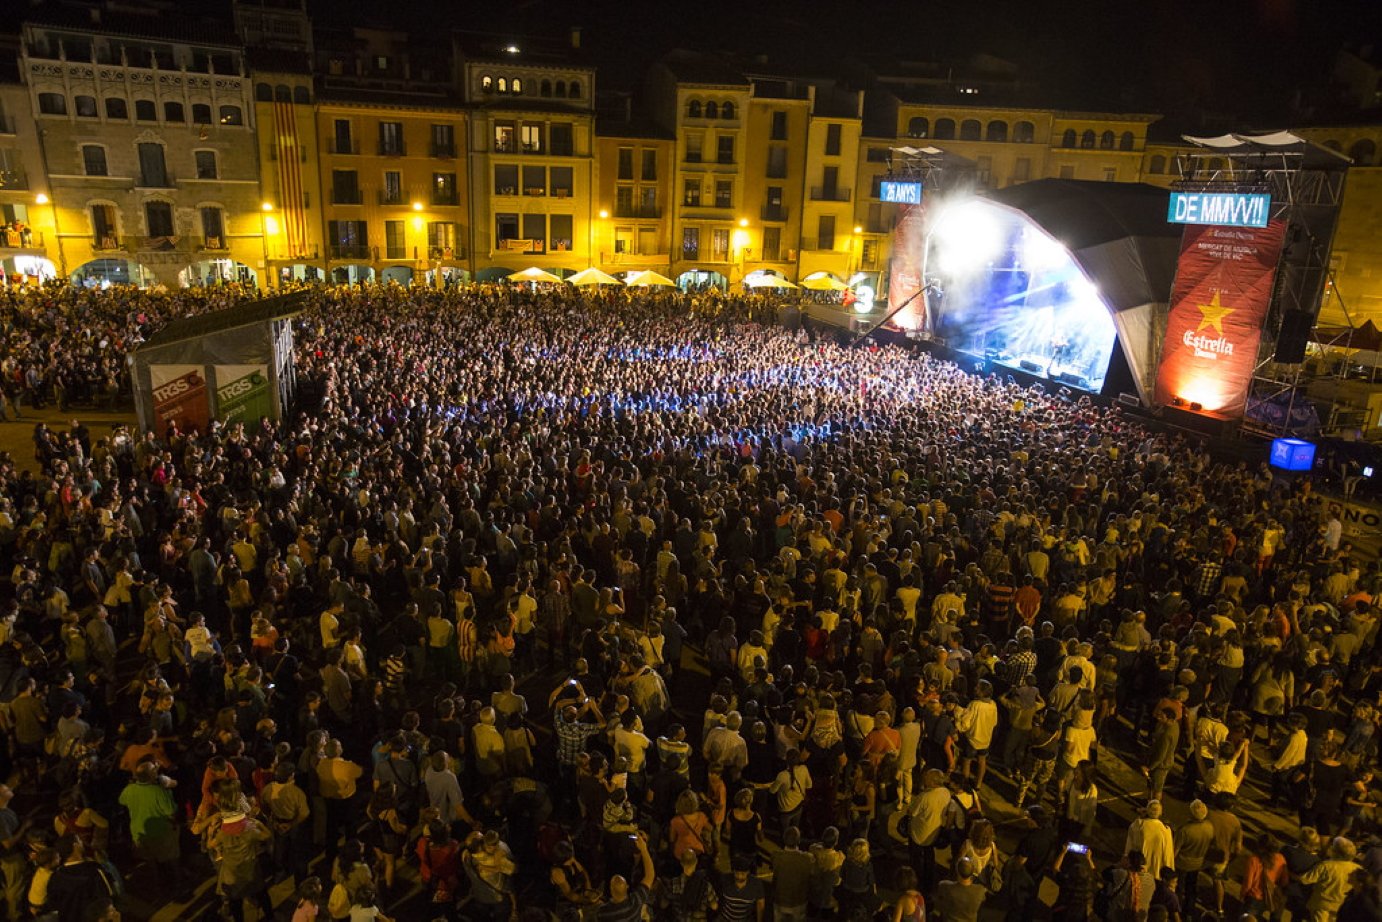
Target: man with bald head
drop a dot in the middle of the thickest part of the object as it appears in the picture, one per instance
(626, 903)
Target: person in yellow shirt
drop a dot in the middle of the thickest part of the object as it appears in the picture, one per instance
(337, 777)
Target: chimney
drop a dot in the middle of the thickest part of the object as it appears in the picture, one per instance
(576, 37)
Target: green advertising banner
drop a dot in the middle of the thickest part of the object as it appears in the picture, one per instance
(242, 393)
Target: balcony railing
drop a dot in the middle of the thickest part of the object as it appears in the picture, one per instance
(160, 244)
(22, 239)
(505, 147)
(215, 244)
(105, 243)
(392, 149)
(561, 192)
(445, 253)
(449, 198)
(392, 197)
(637, 211)
(14, 179)
(350, 251)
(829, 194)
(341, 146)
(345, 197)
(774, 213)
(443, 150)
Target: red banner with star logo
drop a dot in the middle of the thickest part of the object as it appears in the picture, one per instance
(1218, 304)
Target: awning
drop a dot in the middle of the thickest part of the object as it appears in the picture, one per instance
(823, 281)
(767, 281)
(592, 276)
(534, 274)
(649, 278)
(1367, 336)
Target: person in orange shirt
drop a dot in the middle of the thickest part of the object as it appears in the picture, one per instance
(337, 777)
(882, 739)
(145, 748)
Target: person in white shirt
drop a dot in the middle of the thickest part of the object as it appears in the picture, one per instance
(790, 787)
(1291, 757)
(1152, 837)
(910, 732)
(976, 724)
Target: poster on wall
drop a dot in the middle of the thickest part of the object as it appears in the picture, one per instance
(907, 272)
(180, 397)
(1218, 303)
(242, 393)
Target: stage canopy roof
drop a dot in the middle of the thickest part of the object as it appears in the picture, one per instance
(1118, 235)
(1313, 156)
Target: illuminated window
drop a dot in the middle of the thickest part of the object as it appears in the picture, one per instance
(517, 85)
(503, 84)
(487, 83)
(230, 115)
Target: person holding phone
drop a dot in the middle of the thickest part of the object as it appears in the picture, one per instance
(1075, 875)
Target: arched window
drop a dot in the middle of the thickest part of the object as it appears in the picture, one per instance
(971, 130)
(231, 115)
(1362, 153)
(302, 96)
(487, 83)
(85, 106)
(996, 131)
(145, 110)
(693, 109)
(503, 85)
(1024, 132)
(1127, 141)
(727, 111)
(1087, 140)
(918, 128)
(117, 108)
(1068, 138)
(1106, 141)
(575, 89)
(518, 84)
(201, 113)
(173, 112)
(282, 93)
(945, 129)
(712, 109)
(544, 89)
(561, 89)
(263, 93)
(1157, 165)
(52, 103)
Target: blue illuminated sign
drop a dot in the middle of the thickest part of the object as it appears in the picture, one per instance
(1292, 454)
(1226, 209)
(902, 193)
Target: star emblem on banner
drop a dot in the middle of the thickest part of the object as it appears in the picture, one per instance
(1213, 314)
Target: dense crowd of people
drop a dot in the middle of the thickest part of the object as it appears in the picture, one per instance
(630, 605)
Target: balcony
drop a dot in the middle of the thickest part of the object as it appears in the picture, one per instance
(773, 213)
(505, 147)
(392, 197)
(535, 191)
(822, 245)
(345, 146)
(829, 194)
(651, 212)
(532, 149)
(444, 151)
(22, 239)
(449, 198)
(392, 149)
(444, 254)
(346, 197)
(104, 243)
(561, 192)
(354, 251)
(214, 245)
(14, 180)
(159, 244)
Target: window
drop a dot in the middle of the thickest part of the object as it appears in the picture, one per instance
(1106, 141)
(206, 163)
(560, 136)
(503, 85)
(576, 89)
(117, 109)
(693, 148)
(1022, 170)
(544, 89)
(230, 115)
(392, 193)
(779, 132)
(1067, 172)
(441, 239)
(1068, 138)
(625, 163)
(153, 171)
(213, 228)
(561, 89)
(561, 230)
(263, 93)
(302, 96)
(997, 130)
(691, 243)
(777, 162)
(623, 201)
(505, 179)
(691, 193)
(945, 129)
(877, 155)
(158, 216)
(1363, 152)
(918, 128)
(832, 140)
(712, 109)
(201, 113)
(343, 143)
(174, 113)
(534, 180)
(505, 138)
(444, 190)
(395, 240)
(517, 84)
(345, 187)
(381, 63)
(727, 111)
(772, 243)
(103, 226)
(443, 140)
(970, 130)
(535, 230)
(52, 103)
(145, 110)
(1024, 132)
(1157, 165)
(830, 183)
(825, 232)
(649, 172)
(693, 109)
(724, 148)
(505, 227)
(1110, 174)
(348, 239)
(282, 93)
(563, 181)
(531, 135)
(391, 139)
(719, 244)
(1087, 140)
(487, 83)
(1127, 142)
(94, 160)
(724, 193)
(647, 202)
(85, 107)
